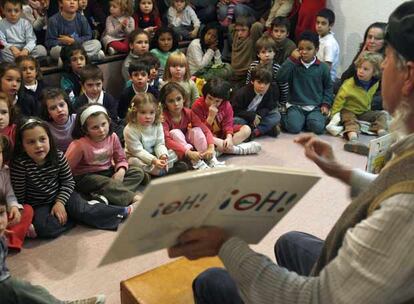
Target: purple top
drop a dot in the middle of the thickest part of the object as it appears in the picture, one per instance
(62, 134)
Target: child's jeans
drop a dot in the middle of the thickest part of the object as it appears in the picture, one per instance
(194, 138)
(297, 119)
(266, 124)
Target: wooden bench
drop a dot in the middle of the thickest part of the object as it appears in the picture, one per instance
(168, 284)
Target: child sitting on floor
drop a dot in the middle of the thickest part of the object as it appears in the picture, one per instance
(354, 99)
(279, 31)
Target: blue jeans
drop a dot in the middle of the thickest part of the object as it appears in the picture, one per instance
(297, 119)
(239, 10)
(296, 251)
(265, 125)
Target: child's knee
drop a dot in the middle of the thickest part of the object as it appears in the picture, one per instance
(315, 126)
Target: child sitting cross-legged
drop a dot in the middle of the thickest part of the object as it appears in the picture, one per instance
(256, 104)
(214, 109)
(310, 86)
(354, 99)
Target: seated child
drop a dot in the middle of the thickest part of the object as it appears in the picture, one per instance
(144, 138)
(27, 293)
(94, 13)
(164, 43)
(354, 100)
(139, 72)
(74, 58)
(36, 13)
(178, 70)
(280, 8)
(16, 33)
(279, 31)
(154, 77)
(265, 48)
(256, 104)
(20, 216)
(310, 86)
(7, 125)
(56, 111)
(97, 160)
(67, 27)
(118, 26)
(243, 51)
(328, 46)
(138, 45)
(183, 19)
(184, 132)
(147, 16)
(228, 6)
(214, 109)
(32, 76)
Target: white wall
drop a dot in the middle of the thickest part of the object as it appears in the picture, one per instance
(352, 19)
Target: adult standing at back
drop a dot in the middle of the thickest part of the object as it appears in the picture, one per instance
(367, 256)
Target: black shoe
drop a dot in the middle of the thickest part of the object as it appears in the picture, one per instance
(179, 166)
(275, 131)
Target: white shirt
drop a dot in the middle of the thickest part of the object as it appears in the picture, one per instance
(329, 52)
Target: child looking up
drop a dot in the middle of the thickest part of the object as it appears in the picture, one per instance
(184, 132)
(328, 46)
(354, 100)
(16, 33)
(118, 26)
(139, 72)
(138, 45)
(279, 31)
(32, 76)
(164, 43)
(7, 127)
(147, 16)
(98, 161)
(256, 104)
(265, 47)
(214, 109)
(310, 86)
(68, 27)
(74, 58)
(183, 19)
(178, 70)
(144, 138)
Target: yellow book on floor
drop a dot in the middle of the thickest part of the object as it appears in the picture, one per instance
(246, 201)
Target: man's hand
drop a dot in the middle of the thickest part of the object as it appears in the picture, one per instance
(199, 242)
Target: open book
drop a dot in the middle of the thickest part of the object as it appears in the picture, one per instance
(246, 201)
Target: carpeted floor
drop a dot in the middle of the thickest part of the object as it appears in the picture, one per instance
(67, 266)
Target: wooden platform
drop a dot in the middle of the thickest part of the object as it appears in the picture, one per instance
(168, 284)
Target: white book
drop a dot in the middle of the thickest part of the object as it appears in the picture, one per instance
(378, 148)
(246, 201)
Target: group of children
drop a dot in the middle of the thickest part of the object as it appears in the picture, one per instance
(78, 154)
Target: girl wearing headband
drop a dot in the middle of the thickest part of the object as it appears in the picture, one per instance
(98, 162)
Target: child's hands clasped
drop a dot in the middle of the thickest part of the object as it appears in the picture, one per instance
(66, 40)
(208, 154)
(325, 109)
(14, 216)
(160, 163)
(193, 155)
(59, 211)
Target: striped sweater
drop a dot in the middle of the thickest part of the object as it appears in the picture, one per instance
(38, 185)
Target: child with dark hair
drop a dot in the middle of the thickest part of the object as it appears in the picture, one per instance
(147, 16)
(215, 110)
(7, 125)
(154, 77)
(164, 43)
(310, 86)
(328, 46)
(183, 19)
(256, 104)
(244, 34)
(74, 58)
(32, 76)
(138, 72)
(279, 31)
(204, 54)
(138, 45)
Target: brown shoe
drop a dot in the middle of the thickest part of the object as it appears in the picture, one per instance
(356, 146)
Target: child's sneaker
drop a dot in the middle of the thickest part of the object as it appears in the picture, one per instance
(275, 131)
(214, 163)
(179, 166)
(111, 51)
(99, 299)
(100, 55)
(200, 165)
(251, 147)
(356, 146)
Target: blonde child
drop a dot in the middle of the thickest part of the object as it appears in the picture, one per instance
(177, 70)
(354, 100)
(32, 76)
(118, 26)
(7, 127)
(184, 132)
(144, 137)
(147, 16)
(20, 216)
(183, 19)
(138, 46)
(97, 160)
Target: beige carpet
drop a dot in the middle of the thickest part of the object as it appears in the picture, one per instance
(67, 266)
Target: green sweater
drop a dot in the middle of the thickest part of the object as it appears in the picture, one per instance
(353, 97)
(307, 86)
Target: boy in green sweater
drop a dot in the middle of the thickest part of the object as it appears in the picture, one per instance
(354, 99)
(310, 87)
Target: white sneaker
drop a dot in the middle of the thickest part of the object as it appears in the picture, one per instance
(251, 147)
(200, 165)
(99, 299)
(100, 55)
(111, 51)
(214, 163)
